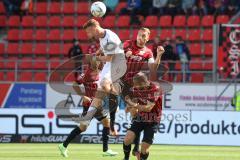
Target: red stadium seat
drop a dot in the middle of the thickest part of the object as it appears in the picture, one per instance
(26, 48)
(14, 21)
(26, 63)
(66, 48)
(81, 20)
(13, 35)
(196, 64)
(68, 35)
(207, 21)
(41, 21)
(207, 35)
(27, 35)
(10, 76)
(179, 21)
(13, 48)
(82, 35)
(41, 7)
(2, 8)
(3, 21)
(120, 6)
(41, 35)
(41, 49)
(55, 8)
(124, 34)
(40, 77)
(26, 76)
(68, 8)
(1, 62)
(195, 49)
(11, 62)
(109, 21)
(237, 21)
(154, 33)
(40, 63)
(165, 33)
(182, 33)
(134, 33)
(222, 19)
(27, 21)
(54, 49)
(1, 76)
(208, 66)
(193, 21)
(194, 35)
(83, 8)
(54, 35)
(54, 62)
(208, 49)
(123, 21)
(68, 21)
(55, 21)
(165, 21)
(197, 78)
(2, 49)
(84, 48)
(151, 21)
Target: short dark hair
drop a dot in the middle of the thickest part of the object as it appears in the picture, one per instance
(141, 78)
(90, 23)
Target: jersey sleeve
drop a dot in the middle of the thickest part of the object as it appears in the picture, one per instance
(113, 45)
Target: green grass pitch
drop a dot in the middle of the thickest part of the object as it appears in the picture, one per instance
(93, 152)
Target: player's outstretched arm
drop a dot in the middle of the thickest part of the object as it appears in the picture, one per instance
(146, 108)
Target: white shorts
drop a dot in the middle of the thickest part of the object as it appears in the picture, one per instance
(113, 71)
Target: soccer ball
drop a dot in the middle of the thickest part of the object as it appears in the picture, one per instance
(98, 9)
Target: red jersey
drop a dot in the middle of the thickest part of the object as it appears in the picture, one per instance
(92, 49)
(150, 93)
(136, 61)
(88, 79)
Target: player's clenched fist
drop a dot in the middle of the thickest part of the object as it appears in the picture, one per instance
(160, 50)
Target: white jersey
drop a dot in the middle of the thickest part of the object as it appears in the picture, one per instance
(111, 45)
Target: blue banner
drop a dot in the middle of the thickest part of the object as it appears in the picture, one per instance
(27, 96)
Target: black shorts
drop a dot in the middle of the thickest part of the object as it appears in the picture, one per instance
(148, 130)
(101, 114)
(125, 87)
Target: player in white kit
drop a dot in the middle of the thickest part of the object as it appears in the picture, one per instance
(112, 54)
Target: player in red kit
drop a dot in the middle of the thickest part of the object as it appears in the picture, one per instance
(145, 106)
(89, 81)
(138, 55)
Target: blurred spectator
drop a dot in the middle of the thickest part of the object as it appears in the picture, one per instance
(76, 51)
(187, 6)
(26, 7)
(159, 7)
(218, 7)
(155, 45)
(111, 5)
(233, 7)
(170, 56)
(174, 7)
(201, 8)
(12, 6)
(184, 57)
(133, 9)
(145, 7)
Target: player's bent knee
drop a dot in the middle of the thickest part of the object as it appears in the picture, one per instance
(129, 138)
(145, 147)
(106, 122)
(83, 127)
